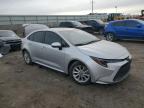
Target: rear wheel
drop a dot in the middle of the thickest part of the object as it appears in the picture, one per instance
(80, 73)
(27, 57)
(110, 37)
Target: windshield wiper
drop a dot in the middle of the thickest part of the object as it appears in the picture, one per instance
(81, 44)
(92, 41)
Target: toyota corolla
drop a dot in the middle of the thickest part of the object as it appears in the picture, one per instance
(81, 55)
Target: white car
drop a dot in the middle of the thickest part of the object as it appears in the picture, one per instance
(77, 53)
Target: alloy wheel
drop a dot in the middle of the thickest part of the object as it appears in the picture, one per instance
(110, 37)
(81, 74)
(27, 58)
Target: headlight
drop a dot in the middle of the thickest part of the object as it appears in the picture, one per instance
(104, 62)
(101, 62)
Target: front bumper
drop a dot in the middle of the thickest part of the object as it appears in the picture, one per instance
(14, 44)
(115, 72)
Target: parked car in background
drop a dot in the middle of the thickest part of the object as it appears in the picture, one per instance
(4, 48)
(8, 37)
(77, 25)
(125, 29)
(81, 55)
(98, 25)
(28, 28)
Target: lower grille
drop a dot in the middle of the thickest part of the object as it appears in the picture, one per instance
(14, 44)
(122, 71)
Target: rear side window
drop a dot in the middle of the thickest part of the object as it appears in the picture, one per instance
(37, 37)
(51, 37)
(118, 24)
(131, 23)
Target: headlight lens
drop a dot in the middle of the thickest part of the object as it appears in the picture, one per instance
(104, 62)
(101, 62)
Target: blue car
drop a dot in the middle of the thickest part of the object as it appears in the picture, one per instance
(124, 29)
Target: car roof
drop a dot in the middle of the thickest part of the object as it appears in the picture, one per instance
(69, 21)
(124, 20)
(29, 28)
(58, 29)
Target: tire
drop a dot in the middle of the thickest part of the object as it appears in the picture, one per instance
(27, 58)
(110, 37)
(80, 73)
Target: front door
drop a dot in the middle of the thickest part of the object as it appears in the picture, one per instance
(54, 57)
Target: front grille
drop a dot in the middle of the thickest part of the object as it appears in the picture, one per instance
(14, 44)
(13, 41)
(122, 71)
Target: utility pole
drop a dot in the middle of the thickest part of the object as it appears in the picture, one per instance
(92, 6)
(116, 8)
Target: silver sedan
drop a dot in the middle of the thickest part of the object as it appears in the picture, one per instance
(77, 53)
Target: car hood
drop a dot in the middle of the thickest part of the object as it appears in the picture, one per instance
(105, 49)
(9, 38)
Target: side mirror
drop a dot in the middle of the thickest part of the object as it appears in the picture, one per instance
(57, 45)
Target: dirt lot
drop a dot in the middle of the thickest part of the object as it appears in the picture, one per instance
(23, 86)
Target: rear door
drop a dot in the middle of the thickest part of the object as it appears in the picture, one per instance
(36, 42)
(133, 30)
(53, 57)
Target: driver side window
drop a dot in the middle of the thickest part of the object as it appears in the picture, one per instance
(51, 37)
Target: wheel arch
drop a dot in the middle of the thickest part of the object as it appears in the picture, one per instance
(24, 50)
(72, 61)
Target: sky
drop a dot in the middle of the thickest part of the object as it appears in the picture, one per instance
(68, 7)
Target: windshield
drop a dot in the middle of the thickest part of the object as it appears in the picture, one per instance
(78, 37)
(7, 34)
(76, 23)
(141, 21)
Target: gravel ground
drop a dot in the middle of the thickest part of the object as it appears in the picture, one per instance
(23, 86)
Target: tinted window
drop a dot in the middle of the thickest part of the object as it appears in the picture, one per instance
(37, 37)
(76, 23)
(131, 23)
(52, 37)
(66, 24)
(92, 22)
(120, 23)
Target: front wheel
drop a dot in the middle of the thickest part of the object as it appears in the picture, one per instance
(27, 57)
(80, 73)
(110, 37)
